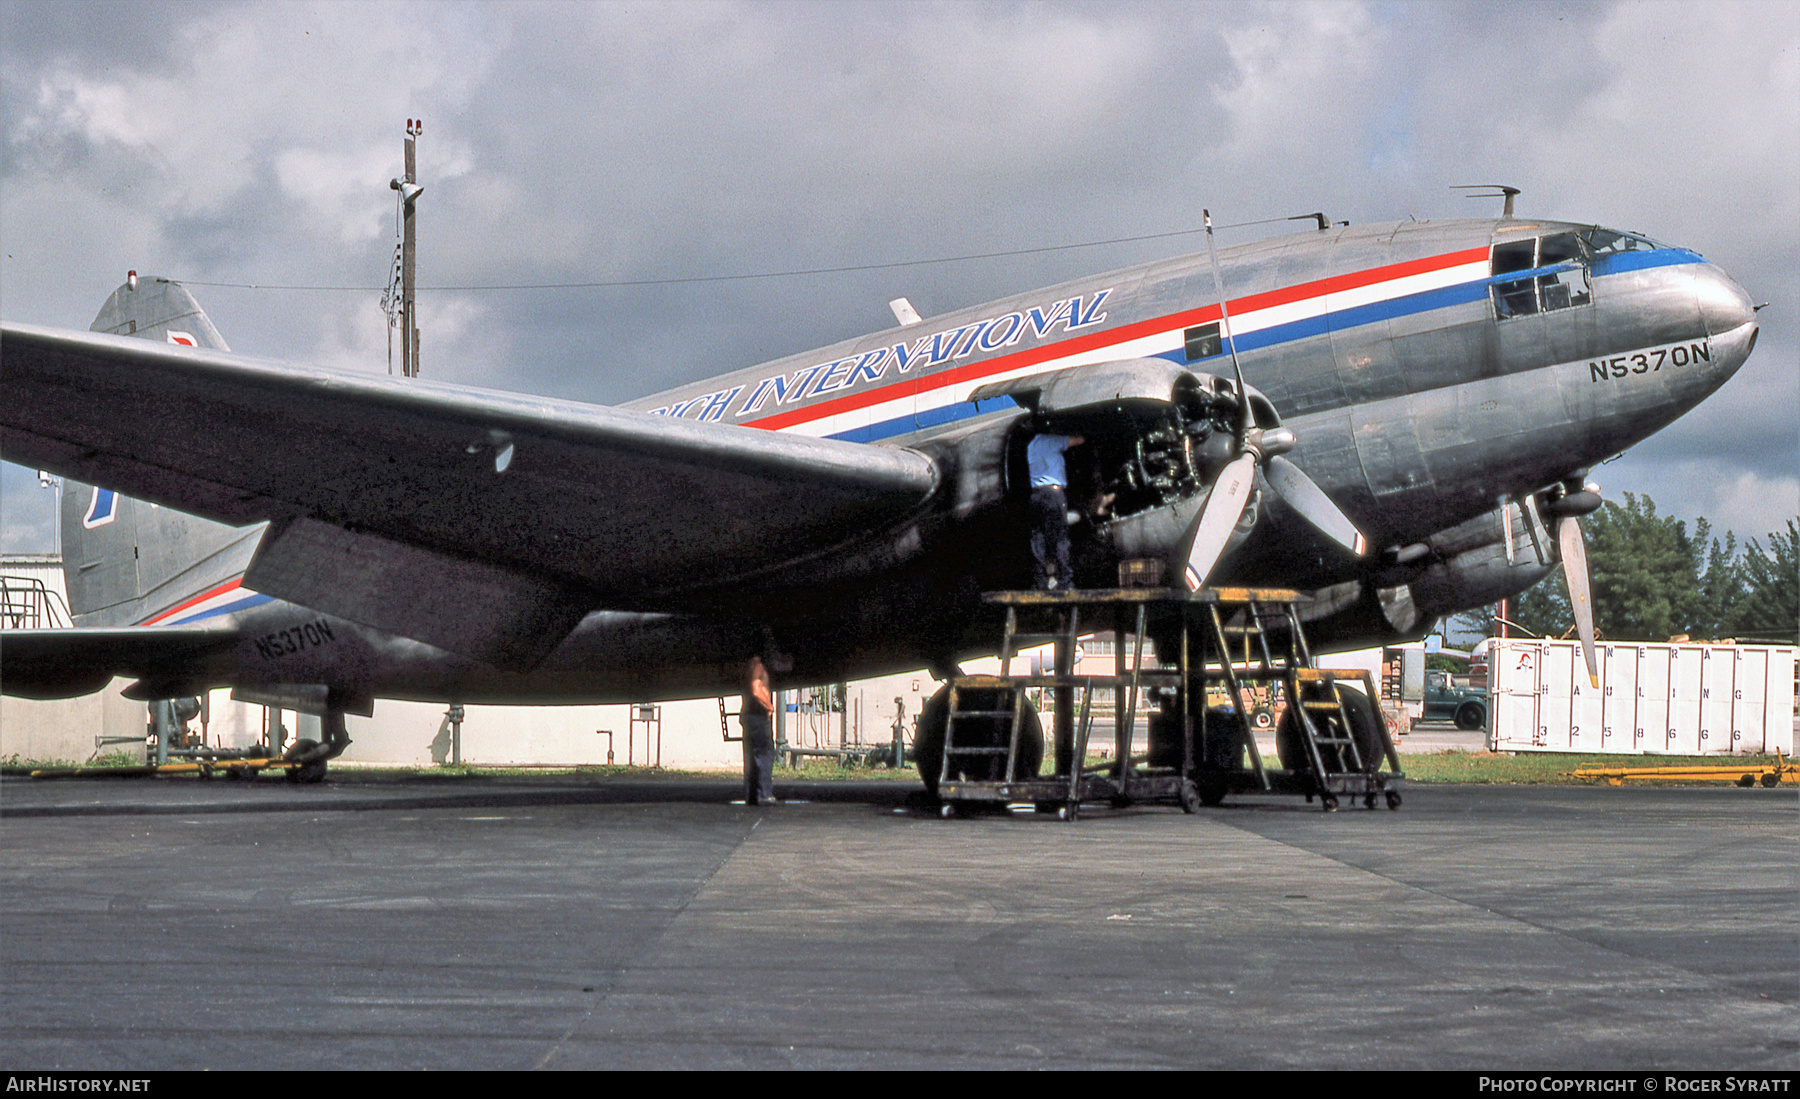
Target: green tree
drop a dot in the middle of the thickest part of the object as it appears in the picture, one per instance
(1769, 606)
(1651, 579)
(1544, 608)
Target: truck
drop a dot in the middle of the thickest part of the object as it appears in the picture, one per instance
(1446, 700)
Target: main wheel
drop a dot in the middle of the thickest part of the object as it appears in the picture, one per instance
(311, 772)
(1365, 727)
(1471, 716)
(975, 732)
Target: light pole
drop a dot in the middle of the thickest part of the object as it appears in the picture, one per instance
(409, 189)
(54, 483)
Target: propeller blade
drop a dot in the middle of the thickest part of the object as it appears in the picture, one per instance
(1224, 507)
(1581, 600)
(1244, 416)
(1307, 498)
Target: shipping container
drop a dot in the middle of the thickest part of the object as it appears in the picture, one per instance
(1669, 699)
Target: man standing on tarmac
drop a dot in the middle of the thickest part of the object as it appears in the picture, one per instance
(1050, 509)
(759, 736)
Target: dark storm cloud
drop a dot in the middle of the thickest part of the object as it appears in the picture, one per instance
(141, 35)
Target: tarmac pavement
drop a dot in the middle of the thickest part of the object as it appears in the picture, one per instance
(559, 922)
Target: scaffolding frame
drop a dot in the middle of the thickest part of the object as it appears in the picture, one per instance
(1205, 623)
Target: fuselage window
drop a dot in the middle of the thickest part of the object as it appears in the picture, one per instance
(1554, 276)
(1203, 342)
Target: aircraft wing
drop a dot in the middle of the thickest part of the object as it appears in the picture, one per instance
(484, 522)
(65, 663)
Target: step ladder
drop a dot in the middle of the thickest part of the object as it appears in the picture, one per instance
(1228, 639)
(1335, 760)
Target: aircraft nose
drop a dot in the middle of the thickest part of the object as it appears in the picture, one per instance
(1724, 305)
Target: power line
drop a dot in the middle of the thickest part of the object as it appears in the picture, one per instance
(748, 277)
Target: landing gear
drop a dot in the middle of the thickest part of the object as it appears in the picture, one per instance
(976, 732)
(313, 756)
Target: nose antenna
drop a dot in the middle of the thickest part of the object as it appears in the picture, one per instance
(1491, 190)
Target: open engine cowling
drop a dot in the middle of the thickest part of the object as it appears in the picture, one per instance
(1156, 437)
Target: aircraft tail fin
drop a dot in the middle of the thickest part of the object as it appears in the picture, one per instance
(122, 559)
(157, 308)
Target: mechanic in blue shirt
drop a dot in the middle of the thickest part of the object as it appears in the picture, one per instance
(1050, 509)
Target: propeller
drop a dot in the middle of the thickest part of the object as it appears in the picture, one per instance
(1235, 484)
(1573, 547)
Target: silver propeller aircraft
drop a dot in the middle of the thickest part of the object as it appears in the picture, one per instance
(1398, 420)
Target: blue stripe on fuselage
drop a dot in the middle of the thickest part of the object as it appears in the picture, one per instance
(1375, 312)
(238, 605)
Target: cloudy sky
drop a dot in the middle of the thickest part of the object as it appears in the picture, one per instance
(253, 143)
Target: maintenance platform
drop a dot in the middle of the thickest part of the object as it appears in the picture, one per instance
(1215, 643)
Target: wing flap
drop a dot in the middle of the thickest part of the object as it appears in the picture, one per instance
(507, 618)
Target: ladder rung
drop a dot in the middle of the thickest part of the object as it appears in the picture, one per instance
(976, 751)
(1330, 707)
(982, 713)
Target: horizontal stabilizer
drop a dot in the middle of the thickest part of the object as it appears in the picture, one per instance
(68, 663)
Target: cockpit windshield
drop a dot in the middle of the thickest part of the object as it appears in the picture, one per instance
(1601, 241)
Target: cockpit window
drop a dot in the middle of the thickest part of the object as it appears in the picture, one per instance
(1555, 276)
(1603, 241)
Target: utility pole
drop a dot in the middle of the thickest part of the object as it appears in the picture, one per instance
(409, 194)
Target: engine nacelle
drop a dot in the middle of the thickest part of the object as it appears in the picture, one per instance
(1462, 567)
(1156, 436)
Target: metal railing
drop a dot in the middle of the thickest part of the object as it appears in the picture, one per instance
(27, 604)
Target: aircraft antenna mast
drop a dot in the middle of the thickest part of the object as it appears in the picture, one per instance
(409, 189)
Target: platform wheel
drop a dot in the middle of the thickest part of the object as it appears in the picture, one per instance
(947, 811)
(1069, 811)
(1329, 802)
(1393, 799)
(1190, 796)
(1771, 780)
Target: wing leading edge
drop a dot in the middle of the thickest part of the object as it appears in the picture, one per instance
(540, 508)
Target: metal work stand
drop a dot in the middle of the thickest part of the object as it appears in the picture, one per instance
(1342, 749)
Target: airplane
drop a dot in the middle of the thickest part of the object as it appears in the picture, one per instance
(1398, 420)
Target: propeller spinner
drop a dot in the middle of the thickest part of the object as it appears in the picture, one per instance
(1265, 447)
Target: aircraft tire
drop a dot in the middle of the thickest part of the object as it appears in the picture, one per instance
(1470, 716)
(309, 772)
(1365, 726)
(928, 743)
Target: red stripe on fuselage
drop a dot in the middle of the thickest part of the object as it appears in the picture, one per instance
(196, 600)
(1078, 344)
